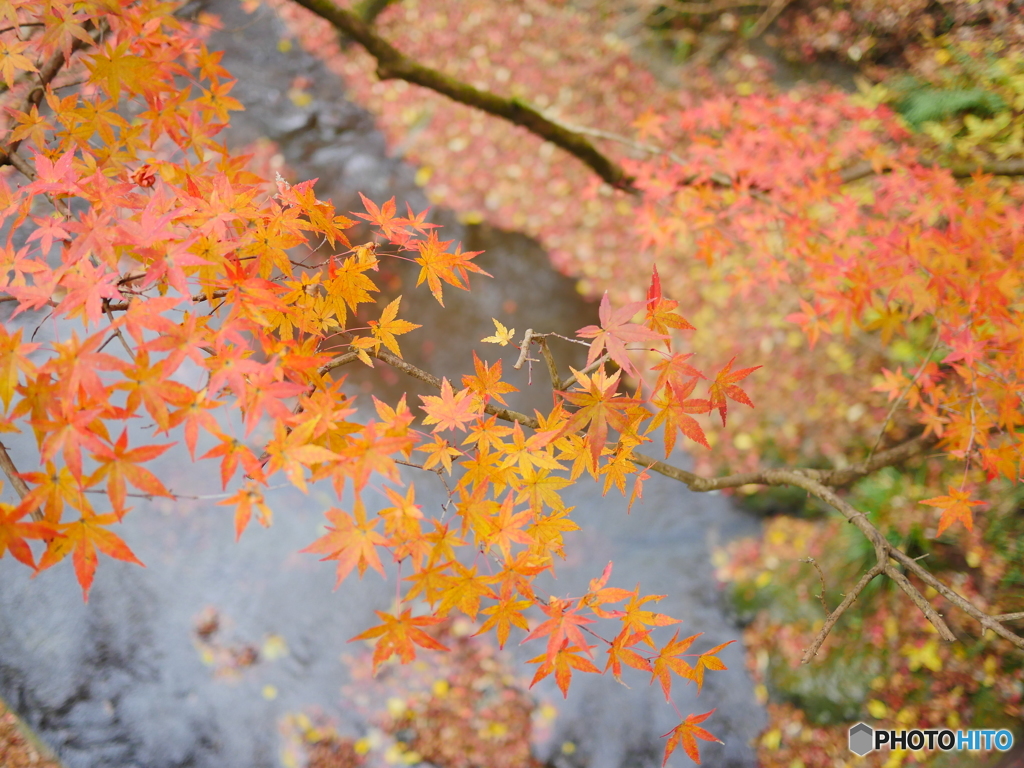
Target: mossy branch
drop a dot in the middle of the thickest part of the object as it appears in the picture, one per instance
(393, 64)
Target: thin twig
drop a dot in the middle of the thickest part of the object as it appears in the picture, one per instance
(833, 617)
(821, 578)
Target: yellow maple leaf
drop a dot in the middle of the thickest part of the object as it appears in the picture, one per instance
(502, 335)
(389, 327)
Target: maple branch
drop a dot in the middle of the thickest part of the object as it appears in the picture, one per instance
(812, 481)
(549, 360)
(20, 486)
(809, 480)
(774, 9)
(393, 64)
(524, 348)
(833, 617)
(821, 578)
(964, 170)
(713, 7)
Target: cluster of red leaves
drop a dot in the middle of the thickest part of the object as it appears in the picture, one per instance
(190, 296)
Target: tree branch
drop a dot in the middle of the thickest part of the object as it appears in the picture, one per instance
(393, 64)
(964, 170)
(833, 617)
(20, 486)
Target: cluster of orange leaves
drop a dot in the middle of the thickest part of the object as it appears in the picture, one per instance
(188, 295)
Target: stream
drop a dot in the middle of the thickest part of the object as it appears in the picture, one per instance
(123, 681)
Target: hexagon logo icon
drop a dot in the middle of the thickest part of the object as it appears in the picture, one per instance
(861, 739)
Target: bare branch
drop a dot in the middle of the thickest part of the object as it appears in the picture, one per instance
(20, 486)
(524, 348)
(833, 617)
(549, 360)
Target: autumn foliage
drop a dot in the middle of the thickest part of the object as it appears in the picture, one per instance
(190, 295)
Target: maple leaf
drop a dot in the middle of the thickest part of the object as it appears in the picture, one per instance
(635, 619)
(600, 406)
(452, 410)
(562, 662)
(686, 735)
(724, 386)
(233, 451)
(955, 507)
(562, 626)
(615, 332)
(118, 464)
(400, 635)
(383, 217)
(660, 317)
(668, 661)
(506, 528)
(487, 382)
(440, 451)
(13, 534)
(507, 613)
(598, 594)
(244, 500)
(82, 538)
(502, 335)
(673, 413)
(619, 653)
(12, 60)
(115, 68)
(351, 541)
(708, 660)
(388, 327)
(463, 590)
(437, 264)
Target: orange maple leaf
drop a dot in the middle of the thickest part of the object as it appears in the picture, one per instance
(400, 634)
(563, 626)
(686, 734)
(724, 386)
(437, 264)
(507, 613)
(956, 506)
(562, 662)
(708, 660)
(83, 537)
(351, 541)
(452, 410)
(668, 661)
(388, 327)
